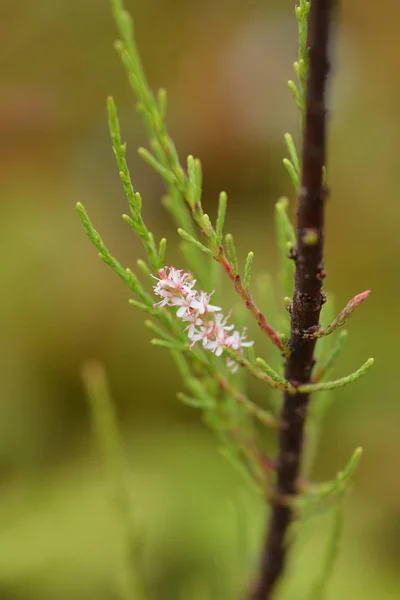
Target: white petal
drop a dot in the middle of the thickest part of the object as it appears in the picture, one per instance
(212, 308)
(181, 311)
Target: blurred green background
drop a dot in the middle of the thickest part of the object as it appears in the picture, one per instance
(225, 65)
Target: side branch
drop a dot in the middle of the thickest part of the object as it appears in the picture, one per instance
(342, 316)
(251, 305)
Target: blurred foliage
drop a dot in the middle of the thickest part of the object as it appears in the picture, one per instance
(225, 65)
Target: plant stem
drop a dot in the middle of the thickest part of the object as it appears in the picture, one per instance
(307, 302)
(249, 302)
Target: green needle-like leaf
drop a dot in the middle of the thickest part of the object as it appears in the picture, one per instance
(231, 252)
(161, 250)
(332, 385)
(270, 371)
(247, 270)
(286, 240)
(222, 203)
(292, 152)
(191, 240)
(170, 345)
(157, 166)
(162, 102)
(293, 173)
(203, 403)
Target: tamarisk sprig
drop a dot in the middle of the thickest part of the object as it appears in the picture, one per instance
(341, 318)
(210, 386)
(187, 185)
(301, 69)
(275, 381)
(184, 185)
(134, 198)
(333, 385)
(265, 373)
(176, 339)
(318, 494)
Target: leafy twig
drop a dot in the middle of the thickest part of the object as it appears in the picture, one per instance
(259, 373)
(341, 318)
(308, 388)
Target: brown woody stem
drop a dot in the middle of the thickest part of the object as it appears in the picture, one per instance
(307, 302)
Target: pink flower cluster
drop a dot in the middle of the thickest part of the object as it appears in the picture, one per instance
(177, 289)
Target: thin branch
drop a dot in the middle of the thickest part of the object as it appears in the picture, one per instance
(342, 316)
(259, 413)
(325, 386)
(259, 373)
(250, 304)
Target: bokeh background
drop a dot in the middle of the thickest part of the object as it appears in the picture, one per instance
(225, 65)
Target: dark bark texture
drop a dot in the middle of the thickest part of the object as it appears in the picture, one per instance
(307, 301)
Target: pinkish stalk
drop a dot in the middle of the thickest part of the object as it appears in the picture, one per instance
(250, 304)
(342, 316)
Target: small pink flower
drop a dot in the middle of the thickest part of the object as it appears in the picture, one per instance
(201, 303)
(218, 344)
(185, 303)
(176, 289)
(194, 321)
(199, 335)
(173, 284)
(237, 341)
(220, 322)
